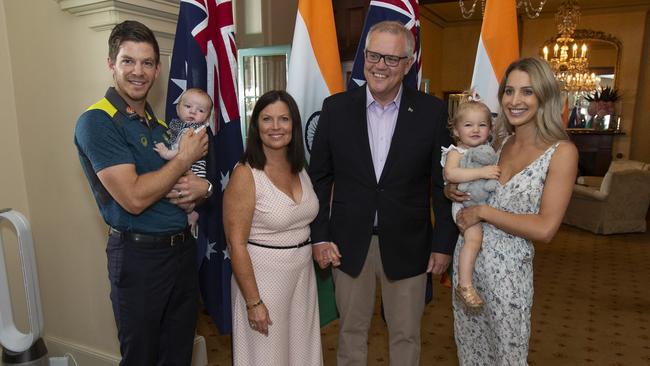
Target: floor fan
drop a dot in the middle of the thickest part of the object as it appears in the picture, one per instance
(24, 349)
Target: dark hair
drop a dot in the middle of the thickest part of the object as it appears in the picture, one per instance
(131, 30)
(254, 154)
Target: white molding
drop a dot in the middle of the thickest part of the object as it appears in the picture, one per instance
(87, 356)
(83, 355)
(159, 15)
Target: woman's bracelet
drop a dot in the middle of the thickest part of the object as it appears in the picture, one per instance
(253, 304)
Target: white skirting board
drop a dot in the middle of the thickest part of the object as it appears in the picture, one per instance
(89, 357)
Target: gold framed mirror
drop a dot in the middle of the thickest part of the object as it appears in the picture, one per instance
(604, 54)
(605, 57)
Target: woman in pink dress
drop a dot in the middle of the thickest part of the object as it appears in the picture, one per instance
(268, 205)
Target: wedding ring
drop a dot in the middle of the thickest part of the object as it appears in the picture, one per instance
(180, 194)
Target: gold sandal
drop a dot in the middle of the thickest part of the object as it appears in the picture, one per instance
(469, 297)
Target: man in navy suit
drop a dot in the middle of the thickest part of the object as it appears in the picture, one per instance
(375, 166)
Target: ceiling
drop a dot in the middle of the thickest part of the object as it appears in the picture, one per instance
(449, 11)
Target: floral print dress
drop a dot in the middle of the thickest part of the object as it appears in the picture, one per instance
(503, 276)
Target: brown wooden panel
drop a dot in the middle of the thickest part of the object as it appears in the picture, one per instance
(595, 152)
(349, 16)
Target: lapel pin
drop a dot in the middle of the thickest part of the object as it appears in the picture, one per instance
(410, 109)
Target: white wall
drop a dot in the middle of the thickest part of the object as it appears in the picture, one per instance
(52, 67)
(58, 66)
(12, 177)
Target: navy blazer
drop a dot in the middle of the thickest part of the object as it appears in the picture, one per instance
(341, 165)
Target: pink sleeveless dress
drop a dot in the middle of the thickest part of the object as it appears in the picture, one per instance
(285, 278)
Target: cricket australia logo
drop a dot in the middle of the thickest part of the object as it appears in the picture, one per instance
(310, 129)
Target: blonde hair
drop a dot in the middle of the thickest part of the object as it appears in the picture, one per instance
(198, 91)
(547, 90)
(468, 103)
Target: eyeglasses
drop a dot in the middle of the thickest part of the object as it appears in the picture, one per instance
(389, 60)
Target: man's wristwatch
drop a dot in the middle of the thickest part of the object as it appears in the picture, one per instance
(209, 192)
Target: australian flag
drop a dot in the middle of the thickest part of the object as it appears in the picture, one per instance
(404, 11)
(204, 56)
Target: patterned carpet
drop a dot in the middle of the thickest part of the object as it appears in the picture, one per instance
(591, 307)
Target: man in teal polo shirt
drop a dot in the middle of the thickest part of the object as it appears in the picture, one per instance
(143, 198)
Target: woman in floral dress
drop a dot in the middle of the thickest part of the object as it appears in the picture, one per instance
(538, 168)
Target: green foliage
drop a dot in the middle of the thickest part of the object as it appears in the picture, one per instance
(606, 95)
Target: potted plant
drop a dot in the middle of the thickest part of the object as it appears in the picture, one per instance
(602, 106)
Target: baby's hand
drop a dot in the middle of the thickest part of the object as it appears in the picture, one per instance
(491, 172)
(159, 147)
(164, 152)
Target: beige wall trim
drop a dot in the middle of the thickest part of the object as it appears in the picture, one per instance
(159, 15)
(86, 356)
(83, 355)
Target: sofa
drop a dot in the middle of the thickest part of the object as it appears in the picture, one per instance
(615, 203)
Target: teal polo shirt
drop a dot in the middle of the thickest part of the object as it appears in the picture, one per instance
(111, 133)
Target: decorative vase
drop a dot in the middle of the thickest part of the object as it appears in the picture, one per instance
(598, 122)
(612, 121)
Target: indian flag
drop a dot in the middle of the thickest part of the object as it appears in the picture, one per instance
(315, 74)
(314, 66)
(497, 48)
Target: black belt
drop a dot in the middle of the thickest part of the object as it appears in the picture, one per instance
(375, 230)
(306, 242)
(162, 241)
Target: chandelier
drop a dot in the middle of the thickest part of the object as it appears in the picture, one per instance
(531, 11)
(569, 61)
